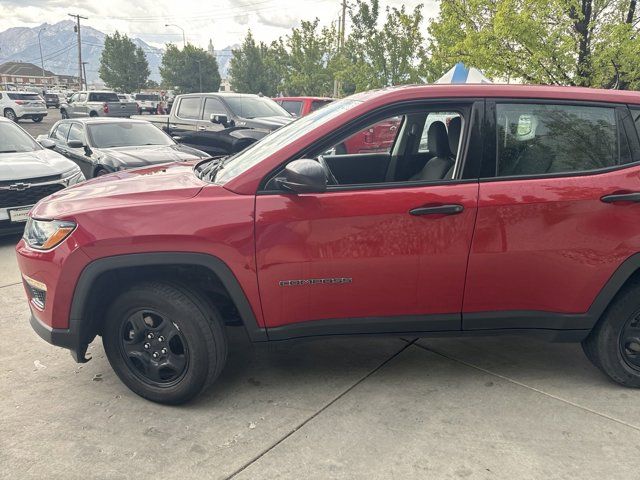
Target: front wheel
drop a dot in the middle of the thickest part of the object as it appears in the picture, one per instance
(11, 115)
(614, 344)
(164, 341)
(64, 114)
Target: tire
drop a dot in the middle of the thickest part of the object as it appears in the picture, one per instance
(11, 115)
(340, 149)
(93, 114)
(37, 118)
(100, 172)
(608, 346)
(200, 331)
(64, 114)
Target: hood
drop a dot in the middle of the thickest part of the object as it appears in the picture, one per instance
(267, 123)
(39, 163)
(151, 154)
(162, 184)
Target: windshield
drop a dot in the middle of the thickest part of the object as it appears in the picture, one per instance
(126, 134)
(13, 139)
(255, 107)
(281, 137)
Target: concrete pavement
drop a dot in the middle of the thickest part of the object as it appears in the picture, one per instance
(477, 408)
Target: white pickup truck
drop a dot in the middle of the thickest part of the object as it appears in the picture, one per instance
(97, 104)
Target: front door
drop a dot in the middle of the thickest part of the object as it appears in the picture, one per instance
(387, 256)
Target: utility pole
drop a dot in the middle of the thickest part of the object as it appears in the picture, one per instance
(41, 59)
(77, 29)
(341, 36)
(84, 73)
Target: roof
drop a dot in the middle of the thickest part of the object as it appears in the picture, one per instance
(410, 92)
(223, 94)
(91, 120)
(23, 69)
(305, 98)
(22, 92)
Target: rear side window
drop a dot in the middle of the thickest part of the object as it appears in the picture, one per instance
(103, 97)
(189, 108)
(316, 104)
(294, 107)
(536, 139)
(24, 96)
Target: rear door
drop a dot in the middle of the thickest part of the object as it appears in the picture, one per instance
(557, 213)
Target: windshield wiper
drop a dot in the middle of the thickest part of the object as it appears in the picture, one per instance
(8, 151)
(209, 168)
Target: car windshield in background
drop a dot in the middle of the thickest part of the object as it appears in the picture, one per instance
(103, 97)
(13, 139)
(152, 98)
(255, 107)
(276, 140)
(126, 134)
(24, 96)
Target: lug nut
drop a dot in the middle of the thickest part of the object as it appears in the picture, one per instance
(155, 355)
(164, 351)
(150, 336)
(147, 346)
(161, 338)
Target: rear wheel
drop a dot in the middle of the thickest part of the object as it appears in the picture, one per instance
(37, 119)
(614, 344)
(10, 114)
(165, 342)
(93, 114)
(64, 114)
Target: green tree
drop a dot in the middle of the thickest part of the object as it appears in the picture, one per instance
(189, 70)
(123, 65)
(309, 60)
(568, 42)
(378, 56)
(255, 68)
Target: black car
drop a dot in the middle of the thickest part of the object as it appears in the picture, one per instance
(105, 145)
(52, 100)
(221, 123)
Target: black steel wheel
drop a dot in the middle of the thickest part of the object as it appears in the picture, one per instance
(614, 343)
(165, 341)
(630, 342)
(153, 348)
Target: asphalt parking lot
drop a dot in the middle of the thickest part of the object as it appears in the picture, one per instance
(473, 408)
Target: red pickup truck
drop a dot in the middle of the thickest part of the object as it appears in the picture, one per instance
(519, 216)
(301, 106)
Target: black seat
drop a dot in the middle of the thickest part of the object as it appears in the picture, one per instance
(439, 166)
(455, 128)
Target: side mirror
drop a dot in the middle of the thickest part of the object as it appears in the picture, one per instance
(75, 144)
(220, 119)
(46, 142)
(303, 176)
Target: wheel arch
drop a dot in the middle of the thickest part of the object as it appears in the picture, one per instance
(626, 273)
(105, 273)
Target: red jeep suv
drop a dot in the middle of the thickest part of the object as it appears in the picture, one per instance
(496, 209)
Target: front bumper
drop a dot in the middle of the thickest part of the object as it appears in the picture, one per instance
(68, 338)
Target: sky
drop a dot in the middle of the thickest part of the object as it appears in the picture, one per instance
(224, 21)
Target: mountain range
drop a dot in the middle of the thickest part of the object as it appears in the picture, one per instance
(59, 49)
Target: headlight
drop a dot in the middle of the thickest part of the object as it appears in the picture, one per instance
(73, 177)
(46, 234)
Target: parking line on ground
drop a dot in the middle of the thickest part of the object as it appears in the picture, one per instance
(524, 385)
(325, 407)
(10, 285)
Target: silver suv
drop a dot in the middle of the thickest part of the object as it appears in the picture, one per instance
(18, 105)
(97, 104)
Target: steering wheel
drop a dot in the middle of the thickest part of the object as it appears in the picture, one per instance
(331, 179)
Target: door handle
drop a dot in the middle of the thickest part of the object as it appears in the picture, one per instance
(438, 210)
(202, 128)
(621, 197)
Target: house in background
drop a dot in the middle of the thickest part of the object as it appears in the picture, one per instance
(28, 74)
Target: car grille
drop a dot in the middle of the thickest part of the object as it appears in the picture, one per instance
(13, 198)
(32, 181)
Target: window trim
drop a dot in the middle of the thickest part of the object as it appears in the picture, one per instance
(380, 114)
(490, 157)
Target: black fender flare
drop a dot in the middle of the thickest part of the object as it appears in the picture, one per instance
(615, 283)
(78, 325)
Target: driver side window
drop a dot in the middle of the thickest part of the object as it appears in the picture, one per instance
(411, 147)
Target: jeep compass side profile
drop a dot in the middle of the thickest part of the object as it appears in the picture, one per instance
(494, 209)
